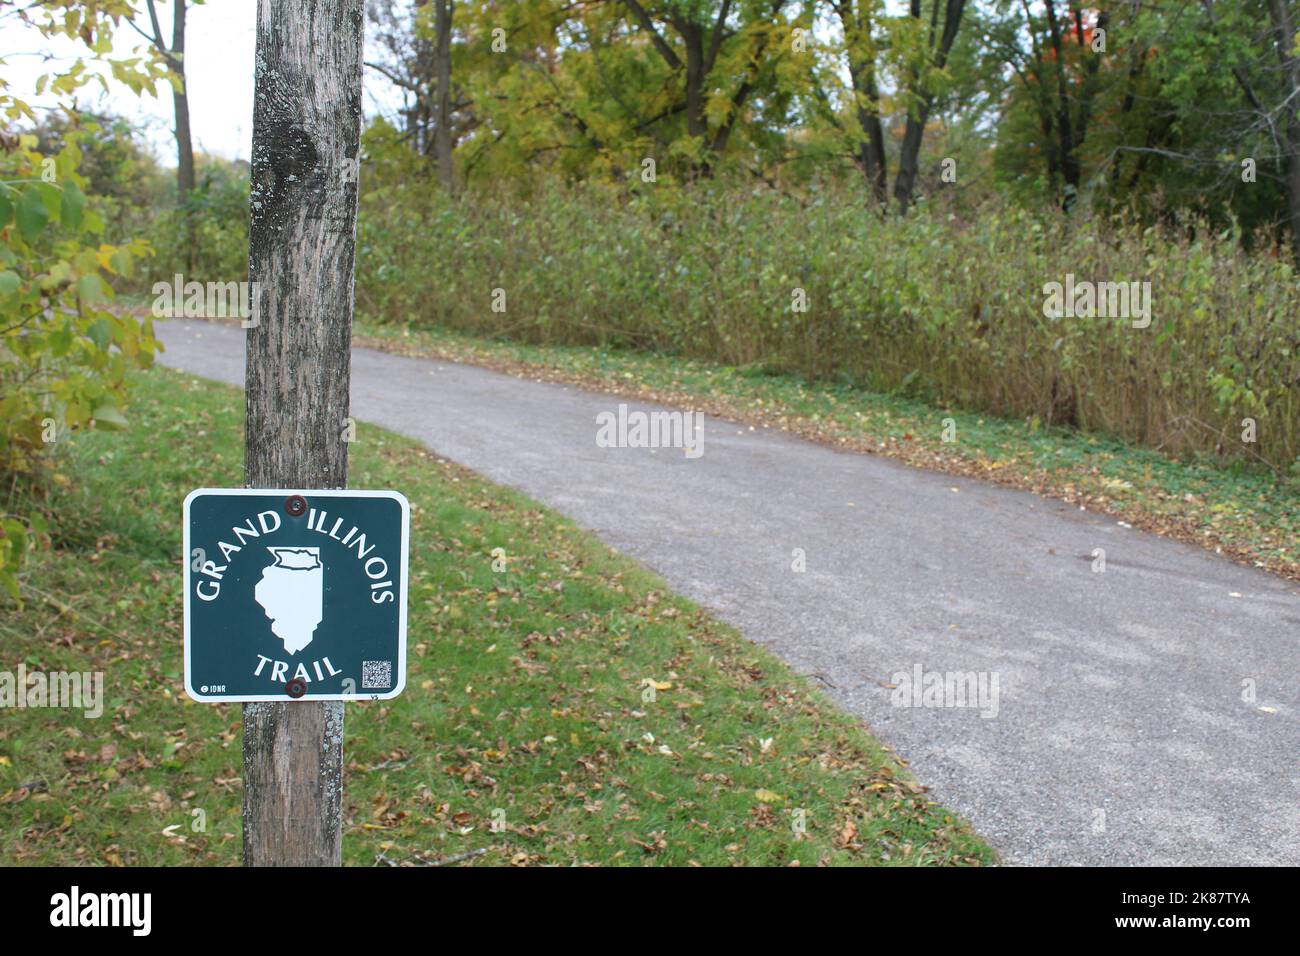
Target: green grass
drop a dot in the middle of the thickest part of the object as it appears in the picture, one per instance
(1248, 512)
(524, 699)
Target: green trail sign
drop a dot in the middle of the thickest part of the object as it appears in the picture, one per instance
(295, 594)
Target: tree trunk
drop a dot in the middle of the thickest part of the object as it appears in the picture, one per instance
(181, 105)
(939, 45)
(302, 244)
(909, 155)
(1293, 181)
(857, 27)
(175, 58)
(420, 117)
(442, 133)
(1066, 143)
(872, 149)
(1285, 28)
(697, 125)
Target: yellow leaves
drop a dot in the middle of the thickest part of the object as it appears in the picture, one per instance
(768, 796)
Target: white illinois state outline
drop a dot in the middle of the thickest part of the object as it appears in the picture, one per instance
(290, 592)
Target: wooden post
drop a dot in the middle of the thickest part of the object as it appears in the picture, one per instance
(302, 243)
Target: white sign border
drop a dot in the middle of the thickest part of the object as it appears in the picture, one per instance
(308, 494)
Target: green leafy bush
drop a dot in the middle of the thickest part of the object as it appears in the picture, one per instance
(206, 238)
(948, 309)
(64, 352)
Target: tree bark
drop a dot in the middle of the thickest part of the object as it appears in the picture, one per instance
(909, 155)
(181, 106)
(442, 132)
(422, 85)
(1284, 27)
(1069, 159)
(184, 145)
(937, 49)
(302, 245)
(693, 38)
(871, 151)
(175, 57)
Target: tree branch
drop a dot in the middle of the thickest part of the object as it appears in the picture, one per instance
(647, 24)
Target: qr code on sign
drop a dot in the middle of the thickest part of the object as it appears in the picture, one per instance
(376, 675)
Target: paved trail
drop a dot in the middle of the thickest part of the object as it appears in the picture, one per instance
(1120, 737)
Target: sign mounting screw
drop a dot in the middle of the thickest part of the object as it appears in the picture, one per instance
(295, 505)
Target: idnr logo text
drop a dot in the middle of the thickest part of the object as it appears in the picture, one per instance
(76, 909)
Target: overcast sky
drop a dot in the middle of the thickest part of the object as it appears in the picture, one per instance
(219, 41)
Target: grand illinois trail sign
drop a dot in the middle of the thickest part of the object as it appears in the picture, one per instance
(295, 595)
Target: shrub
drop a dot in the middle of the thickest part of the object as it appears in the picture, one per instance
(64, 353)
(950, 310)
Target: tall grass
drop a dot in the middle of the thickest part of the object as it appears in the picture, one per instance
(946, 309)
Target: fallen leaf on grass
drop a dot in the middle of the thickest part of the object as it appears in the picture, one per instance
(656, 843)
(848, 833)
